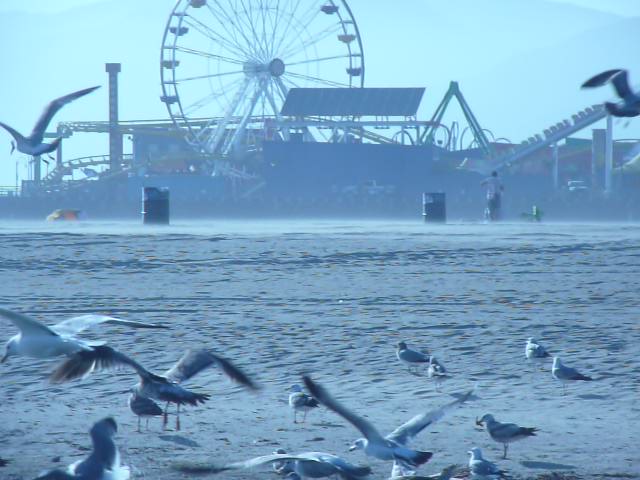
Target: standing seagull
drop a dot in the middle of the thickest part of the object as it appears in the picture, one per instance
(298, 400)
(437, 372)
(165, 388)
(411, 358)
(39, 341)
(481, 467)
(534, 351)
(505, 433)
(102, 464)
(144, 407)
(630, 105)
(32, 145)
(566, 374)
(374, 444)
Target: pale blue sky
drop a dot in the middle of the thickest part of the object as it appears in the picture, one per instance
(519, 62)
(619, 7)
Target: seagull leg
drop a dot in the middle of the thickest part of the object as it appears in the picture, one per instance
(178, 419)
(506, 447)
(295, 416)
(304, 416)
(147, 423)
(165, 416)
(138, 424)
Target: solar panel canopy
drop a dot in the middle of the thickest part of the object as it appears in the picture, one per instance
(343, 102)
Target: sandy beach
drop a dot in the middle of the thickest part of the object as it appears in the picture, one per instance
(332, 299)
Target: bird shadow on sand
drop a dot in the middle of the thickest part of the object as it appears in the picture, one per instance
(180, 440)
(546, 465)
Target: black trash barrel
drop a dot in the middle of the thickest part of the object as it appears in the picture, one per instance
(434, 208)
(155, 206)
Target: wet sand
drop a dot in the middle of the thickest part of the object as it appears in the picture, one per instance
(332, 299)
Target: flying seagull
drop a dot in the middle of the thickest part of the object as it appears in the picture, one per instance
(32, 145)
(307, 465)
(483, 468)
(298, 400)
(165, 388)
(505, 433)
(408, 431)
(619, 78)
(40, 341)
(102, 464)
(373, 443)
(566, 374)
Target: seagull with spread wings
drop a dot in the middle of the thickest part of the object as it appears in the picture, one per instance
(33, 144)
(40, 341)
(619, 78)
(392, 447)
(307, 465)
(166, 387)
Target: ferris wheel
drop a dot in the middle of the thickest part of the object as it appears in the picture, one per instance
(228, 65)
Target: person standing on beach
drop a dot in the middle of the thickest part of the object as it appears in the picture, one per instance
(494, 196)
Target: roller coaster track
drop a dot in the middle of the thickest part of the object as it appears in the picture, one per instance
(551, 135)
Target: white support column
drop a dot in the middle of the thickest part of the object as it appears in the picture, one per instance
(608, 157)
(556, 167)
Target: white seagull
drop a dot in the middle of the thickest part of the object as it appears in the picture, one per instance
(505, 433)
(482, 468)
(102, 464)
(307, 465)
(300, 401)
(374, 444)
(534, 351)
(32, 145)
(40, 341)
(437, 372)
(566, 374)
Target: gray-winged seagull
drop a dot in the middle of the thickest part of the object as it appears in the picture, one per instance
(373, 443)
(40, 341)
(505, 433)
(32, 145)
(165, 387)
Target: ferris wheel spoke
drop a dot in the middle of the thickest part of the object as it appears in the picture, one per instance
(293, 49)
(228, 19)
(198, 104)
(291, 82)
(316, 79)
(317, 60)
(305, 26)
(288, 23)
(274, 28)
(216, 37)
(201, 53)
(211, 75)
(248, 13)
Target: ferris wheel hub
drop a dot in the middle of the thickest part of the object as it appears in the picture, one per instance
(276, 67)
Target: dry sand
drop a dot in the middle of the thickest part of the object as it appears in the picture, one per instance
(332, 299)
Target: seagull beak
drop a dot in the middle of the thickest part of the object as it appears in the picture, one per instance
(352, 448)
(479, 422)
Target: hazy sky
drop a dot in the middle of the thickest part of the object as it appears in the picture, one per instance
(619, 7)
(517, 80)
